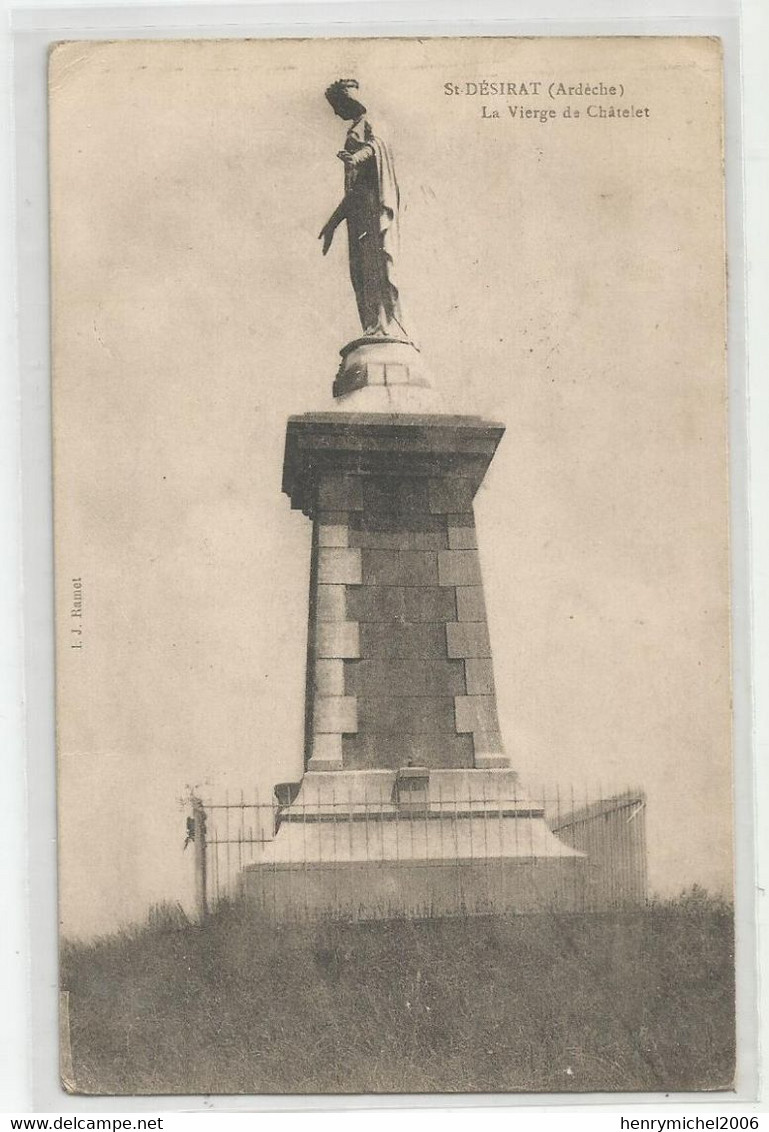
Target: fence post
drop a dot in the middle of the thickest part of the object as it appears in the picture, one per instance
(201, 893)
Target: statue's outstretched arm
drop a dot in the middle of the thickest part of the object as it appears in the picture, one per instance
(337, 216)
(351, 160)
(326, 233)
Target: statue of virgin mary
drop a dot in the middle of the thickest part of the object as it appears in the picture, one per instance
(370, 207)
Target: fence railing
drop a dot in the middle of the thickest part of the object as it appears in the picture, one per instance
(612, 834)
(344, 856)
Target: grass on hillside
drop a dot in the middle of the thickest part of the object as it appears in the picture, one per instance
(631, 1001)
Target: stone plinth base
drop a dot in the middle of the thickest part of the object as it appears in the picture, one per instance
(378, 844)
(388, 889)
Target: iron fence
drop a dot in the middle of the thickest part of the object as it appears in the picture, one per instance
(406, 853)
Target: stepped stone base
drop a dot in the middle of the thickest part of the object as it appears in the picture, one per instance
(412, 842)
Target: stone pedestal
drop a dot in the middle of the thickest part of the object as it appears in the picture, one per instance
(399, 663)
(408, 804)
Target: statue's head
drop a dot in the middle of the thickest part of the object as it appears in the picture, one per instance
(342, 100)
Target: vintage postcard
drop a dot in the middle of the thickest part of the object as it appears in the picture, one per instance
(391, 519)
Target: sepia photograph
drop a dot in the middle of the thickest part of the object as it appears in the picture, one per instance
(391, 507)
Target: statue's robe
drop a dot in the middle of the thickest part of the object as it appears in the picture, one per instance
(372, 198)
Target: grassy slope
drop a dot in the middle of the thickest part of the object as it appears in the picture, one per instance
(627, 1001)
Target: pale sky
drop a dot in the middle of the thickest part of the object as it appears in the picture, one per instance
(564, 277)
